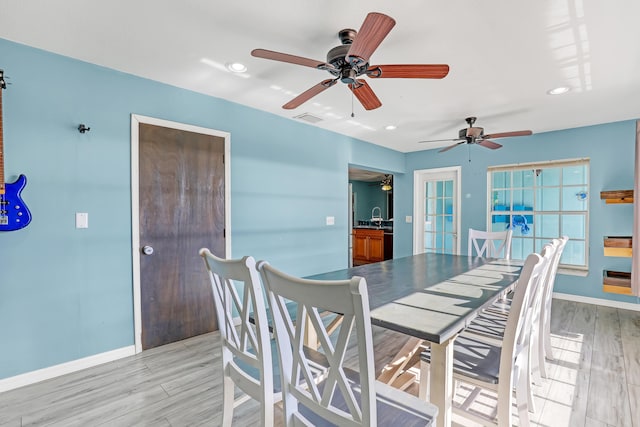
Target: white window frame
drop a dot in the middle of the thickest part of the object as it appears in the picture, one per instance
(566, 268)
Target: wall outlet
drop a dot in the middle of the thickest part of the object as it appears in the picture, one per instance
(408, 219)
(82, 220)
(331, 220)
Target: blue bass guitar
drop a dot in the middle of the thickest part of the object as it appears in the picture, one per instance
(14, 214)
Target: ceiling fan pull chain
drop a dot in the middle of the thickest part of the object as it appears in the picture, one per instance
(352, 114)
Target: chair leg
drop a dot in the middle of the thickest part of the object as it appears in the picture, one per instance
(423, 386)
(530, 379)
(548, 350)
(534, 360)
(227, 401)
(542, 362)
(267, 413)
(505, 399)
(522, 388)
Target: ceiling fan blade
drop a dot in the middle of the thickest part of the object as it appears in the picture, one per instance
(444, 140)
(489, 144)
(308, 94)
(451, 146)
(365, 95)
(292, 59)
(507, 134)
(374, 29)
(409, 71)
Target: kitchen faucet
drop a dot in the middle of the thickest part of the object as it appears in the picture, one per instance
(374, 217)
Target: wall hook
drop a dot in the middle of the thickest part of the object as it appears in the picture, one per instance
(82, 128)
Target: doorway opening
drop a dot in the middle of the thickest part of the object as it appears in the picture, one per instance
(370, 216)
(436, 201)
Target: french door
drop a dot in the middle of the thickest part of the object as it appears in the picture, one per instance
(436, 224)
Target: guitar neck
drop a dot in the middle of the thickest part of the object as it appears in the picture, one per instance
(2, 86)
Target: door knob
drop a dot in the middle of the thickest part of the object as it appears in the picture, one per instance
(147, 250)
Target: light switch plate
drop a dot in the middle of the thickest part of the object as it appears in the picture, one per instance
(331, 220)
(82, 220)
(408, 219)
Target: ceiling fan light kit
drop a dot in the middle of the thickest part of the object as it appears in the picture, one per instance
(350, 60)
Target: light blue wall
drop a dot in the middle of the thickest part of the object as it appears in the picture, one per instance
(368, 196)
(610, 147)
(65, 293)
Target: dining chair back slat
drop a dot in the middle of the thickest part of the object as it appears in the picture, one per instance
(489, 244)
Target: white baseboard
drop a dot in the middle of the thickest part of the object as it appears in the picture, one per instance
(64, 368)
(598, 301)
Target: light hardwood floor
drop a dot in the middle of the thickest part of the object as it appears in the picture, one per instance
(594, 382)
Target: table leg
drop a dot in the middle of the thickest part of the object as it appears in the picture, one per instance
(310, 335)
(441, 378)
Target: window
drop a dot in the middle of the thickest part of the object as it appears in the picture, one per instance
(539, 202)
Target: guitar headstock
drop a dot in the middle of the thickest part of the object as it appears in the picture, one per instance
(3, 84)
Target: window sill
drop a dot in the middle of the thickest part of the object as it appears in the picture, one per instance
(573, 272)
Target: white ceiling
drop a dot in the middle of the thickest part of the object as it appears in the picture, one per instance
(503, 56)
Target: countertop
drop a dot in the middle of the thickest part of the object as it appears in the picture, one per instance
(387, 230)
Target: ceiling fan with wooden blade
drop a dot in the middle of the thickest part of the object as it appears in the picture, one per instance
(350, 60)
(476, 135)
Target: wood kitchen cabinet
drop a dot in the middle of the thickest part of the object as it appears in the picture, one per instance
(371, 245)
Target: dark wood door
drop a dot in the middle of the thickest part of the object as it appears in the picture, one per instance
(181, 210)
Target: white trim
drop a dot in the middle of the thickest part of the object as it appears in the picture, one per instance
(598, 301)
(419, 176)
(545, 163)
(135, 203)
(64, 368)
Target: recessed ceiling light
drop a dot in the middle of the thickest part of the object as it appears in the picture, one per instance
(236, 67)
(558, 90)
(390, 127)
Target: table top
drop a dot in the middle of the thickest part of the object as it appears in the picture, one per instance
(430, 296)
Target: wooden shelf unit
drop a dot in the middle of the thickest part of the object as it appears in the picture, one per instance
(617, 196)
(618, 246)
(617, 282)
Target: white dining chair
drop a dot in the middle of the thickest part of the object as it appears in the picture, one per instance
(491, 324)
(246, 347)
(343, 397)
(500, 368)
(489, 244)
(546, 350)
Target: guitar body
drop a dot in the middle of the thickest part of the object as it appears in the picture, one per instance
(14, 213)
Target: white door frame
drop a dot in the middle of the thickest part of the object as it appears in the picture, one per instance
(135, 203)
(419, 178)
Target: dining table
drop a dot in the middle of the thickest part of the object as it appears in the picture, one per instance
(432, 297)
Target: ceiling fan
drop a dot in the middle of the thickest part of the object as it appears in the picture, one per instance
(475, 135)
(350, 60)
